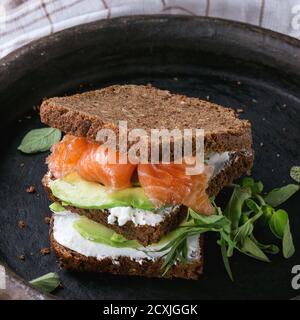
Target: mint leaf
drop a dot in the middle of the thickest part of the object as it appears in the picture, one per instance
(252, 205)
(233, 210)
(222, 243)
(39, 140)
(268, 248)
(48, 282)
(251, 249)
(205, 219)
(278, 223)
(248, 182)
(256, 187)
(243, 232)
(267, 214)
(280, 195)
(288, 248)
(295, 173)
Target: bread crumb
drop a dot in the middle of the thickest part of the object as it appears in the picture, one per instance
(45, 251)
(22, 164)
(47, 220)
(207, 98)
(21, 257)
(240, 110)
(238, 82)
(21, 224)
(28, 117)
(30, 189)
(261, 144)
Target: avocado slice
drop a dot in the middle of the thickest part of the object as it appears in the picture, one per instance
(96, 232)
(77, 192)
(56, 207)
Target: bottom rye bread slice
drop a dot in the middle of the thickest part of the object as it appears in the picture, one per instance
(240, 163)
(124, 265)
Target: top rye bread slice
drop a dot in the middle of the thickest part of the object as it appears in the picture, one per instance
(147, 108)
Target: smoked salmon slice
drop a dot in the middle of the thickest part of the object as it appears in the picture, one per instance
(65, 155)
(168, 184)
(91, 161)
(99, 164)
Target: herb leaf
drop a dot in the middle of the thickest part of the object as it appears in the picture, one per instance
(295, 173)
(288, 248)
(267, 214)
(268, 248)
(233, 211)
(278, 223)
(252, 205)
(225, 257)
(278, 196)
(39, 140)
(48, 282)
(205, 219)
(244, 231)
(236, 225)
(250, 248)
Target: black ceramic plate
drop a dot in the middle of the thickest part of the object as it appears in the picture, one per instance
(229, 63)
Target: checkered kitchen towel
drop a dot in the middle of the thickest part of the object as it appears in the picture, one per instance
(22, 21)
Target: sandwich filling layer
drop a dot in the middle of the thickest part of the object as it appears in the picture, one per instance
(139, 217)
(84, 177)
(66, 234)
(163, 184)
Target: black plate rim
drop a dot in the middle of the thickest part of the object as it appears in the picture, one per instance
(24, 54)
(39, 44)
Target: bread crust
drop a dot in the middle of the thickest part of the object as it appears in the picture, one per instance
(147, 108)
(71, 260)
(241, 163)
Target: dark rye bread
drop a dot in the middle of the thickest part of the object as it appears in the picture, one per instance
(147, 108)
(71, 260)
(240, 163)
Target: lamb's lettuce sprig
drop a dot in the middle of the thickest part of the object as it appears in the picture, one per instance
(235, 224)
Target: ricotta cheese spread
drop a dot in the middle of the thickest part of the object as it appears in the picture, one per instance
(66, 235)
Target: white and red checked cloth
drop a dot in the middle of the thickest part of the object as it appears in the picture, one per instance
(22, 21)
